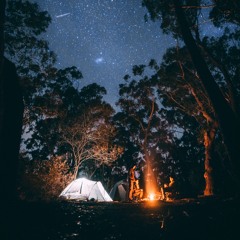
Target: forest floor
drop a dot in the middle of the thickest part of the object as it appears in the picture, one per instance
(201, 218)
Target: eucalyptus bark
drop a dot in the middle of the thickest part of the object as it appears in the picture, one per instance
(208, 140)
(209, 137)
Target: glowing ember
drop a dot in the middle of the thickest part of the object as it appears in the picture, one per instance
(151, 196)
(154, 196)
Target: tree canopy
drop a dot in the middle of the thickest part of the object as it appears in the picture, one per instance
(181, 19)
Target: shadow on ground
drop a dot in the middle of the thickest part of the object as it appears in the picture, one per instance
(203, 218)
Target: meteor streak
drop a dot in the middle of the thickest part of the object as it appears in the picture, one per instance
(62, 15)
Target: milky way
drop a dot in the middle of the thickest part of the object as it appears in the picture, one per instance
(103, 38)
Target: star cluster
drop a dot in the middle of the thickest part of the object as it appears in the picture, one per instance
(103, 38)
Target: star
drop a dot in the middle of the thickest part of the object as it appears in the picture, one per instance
(104, 39)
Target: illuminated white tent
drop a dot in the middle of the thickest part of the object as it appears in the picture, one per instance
(84, 189)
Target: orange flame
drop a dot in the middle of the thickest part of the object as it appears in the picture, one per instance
(151, 187)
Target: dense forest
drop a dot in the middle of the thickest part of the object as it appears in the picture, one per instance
(178, 116)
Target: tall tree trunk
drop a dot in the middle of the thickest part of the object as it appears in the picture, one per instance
(228, 122)
(2, 15)
(75, 174)
(4, 232)
(11, 120)
(232, 91)
(11, 128)
(209, 137)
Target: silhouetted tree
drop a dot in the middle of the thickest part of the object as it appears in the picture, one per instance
(11, 110)
(11, 128)
(141, 130)
(2, 19)
(179, 18)
(180, 89)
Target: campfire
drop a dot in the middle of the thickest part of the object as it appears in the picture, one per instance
(152, 190)
(154, 196)
(151, 196)
(152, 193)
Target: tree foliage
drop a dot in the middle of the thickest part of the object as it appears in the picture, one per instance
(54, 103)
(181, 19)
(146, 135)
(43, 180)
(90, 138)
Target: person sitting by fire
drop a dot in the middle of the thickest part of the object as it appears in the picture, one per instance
(134, 190)
(169, 188)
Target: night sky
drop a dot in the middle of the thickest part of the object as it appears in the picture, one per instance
(103, 38)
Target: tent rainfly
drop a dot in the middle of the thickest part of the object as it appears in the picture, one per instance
(120, 190)
(84, 189)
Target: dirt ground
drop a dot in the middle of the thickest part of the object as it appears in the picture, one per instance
(202, 218)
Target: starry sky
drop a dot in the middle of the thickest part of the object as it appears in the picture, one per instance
(103, 38)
